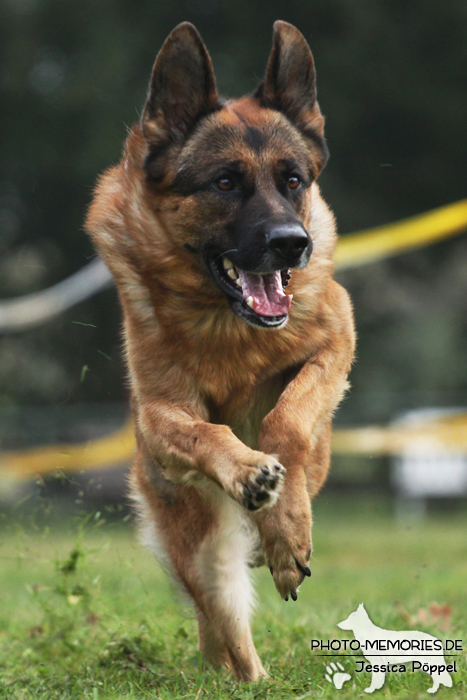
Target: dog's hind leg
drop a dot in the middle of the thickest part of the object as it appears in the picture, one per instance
(435, 685)
(445, 678)
(442, 678)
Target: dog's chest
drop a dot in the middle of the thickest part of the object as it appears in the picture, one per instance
(246, 406)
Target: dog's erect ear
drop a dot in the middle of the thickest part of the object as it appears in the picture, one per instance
(290, 82)
(183, 86)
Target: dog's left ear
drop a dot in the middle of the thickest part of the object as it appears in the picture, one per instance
(290, 82)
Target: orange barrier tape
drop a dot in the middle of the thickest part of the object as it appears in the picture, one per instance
(444, 433)
(373, 244)
(96, 454)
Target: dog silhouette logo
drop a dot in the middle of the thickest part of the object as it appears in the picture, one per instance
(396, 651)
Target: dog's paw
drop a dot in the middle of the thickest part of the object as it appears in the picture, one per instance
(288, 575)
(262, 484)
(287, 546)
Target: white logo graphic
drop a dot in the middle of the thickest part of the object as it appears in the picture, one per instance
(421, 650)
(335, 676)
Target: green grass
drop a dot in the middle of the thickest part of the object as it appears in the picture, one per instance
(86, 613)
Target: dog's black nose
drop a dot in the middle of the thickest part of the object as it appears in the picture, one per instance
(289, 242)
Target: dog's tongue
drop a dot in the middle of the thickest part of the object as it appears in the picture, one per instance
(269, 299)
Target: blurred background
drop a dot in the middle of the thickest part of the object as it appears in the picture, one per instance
(391, 82)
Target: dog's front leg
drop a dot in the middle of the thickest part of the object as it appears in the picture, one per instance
(297, 430)
(190, 449)
(377, 681)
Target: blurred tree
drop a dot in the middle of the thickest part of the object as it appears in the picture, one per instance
(391, 79)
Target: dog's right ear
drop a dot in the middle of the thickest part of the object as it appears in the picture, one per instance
(182, 88)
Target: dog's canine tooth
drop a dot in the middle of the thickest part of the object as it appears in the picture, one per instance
(238, 281)
(227, 264)
(249, 301)
(290, 296)
(232, 274)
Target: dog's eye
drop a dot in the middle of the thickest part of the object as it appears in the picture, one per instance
(293, 182)
(225, 184)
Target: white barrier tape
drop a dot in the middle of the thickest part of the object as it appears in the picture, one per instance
(34, 309)
(352, 250)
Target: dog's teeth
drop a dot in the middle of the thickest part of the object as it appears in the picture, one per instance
(232, 274)
(238, 281)
(227, 264)
(290, 296)
(249, 301)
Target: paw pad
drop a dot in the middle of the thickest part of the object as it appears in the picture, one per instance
(263, 486)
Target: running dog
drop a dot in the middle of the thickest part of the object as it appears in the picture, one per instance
(238, 340)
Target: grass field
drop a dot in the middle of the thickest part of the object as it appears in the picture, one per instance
(86, 613)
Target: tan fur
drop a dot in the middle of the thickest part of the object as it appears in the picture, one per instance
(214, 398)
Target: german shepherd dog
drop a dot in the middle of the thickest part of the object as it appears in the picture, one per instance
(211, 215)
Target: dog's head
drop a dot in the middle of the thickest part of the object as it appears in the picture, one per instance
(235, 176)
(355, 620)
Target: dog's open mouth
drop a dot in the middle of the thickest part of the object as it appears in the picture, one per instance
(259, 299)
